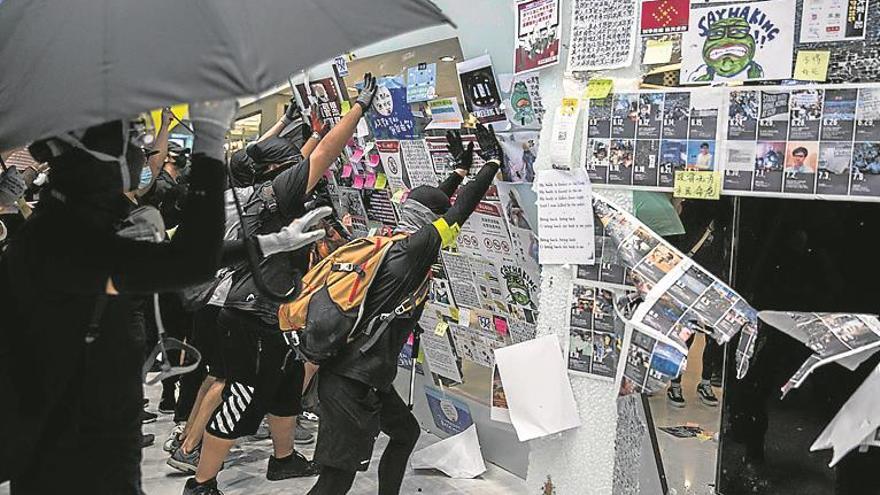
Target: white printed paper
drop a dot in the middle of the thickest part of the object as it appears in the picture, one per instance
(603, 34)
(418, 163)
(445, 114)
(833, 20)
(565, 217)
(458, 456)
(857, 422)
(389, 153)
(539, 397)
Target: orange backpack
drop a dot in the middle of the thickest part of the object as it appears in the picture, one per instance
(330, 308)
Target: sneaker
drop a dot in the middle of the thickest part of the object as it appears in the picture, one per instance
(167, 405)
(147, 439)
(293, 466)
(192, 487)
(173, 441)
(185, 463)
(302, 436)
(262, 432)
(308, 416)
(674, 396)
(147, 417)
(707, 395)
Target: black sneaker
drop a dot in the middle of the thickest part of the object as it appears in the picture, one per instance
(674, 396)
(148, 417)
(293, 466)
(207, 488)
(167, 405)
(707, 395)
(183, 462)
(147, 439)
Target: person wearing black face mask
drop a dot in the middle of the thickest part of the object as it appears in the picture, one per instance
(70, 363)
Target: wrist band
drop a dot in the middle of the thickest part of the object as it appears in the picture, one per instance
(316, 136)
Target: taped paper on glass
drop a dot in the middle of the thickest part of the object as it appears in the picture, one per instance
(603, 34)
(485, 233)
(595, 332)
(604, 273)
(739, 42)
(379, 209)
(565, 122)
(565, 217)
(325, 94)
(651, 361)
(522, 102)
(417, 163)
(481, 96)
(350, 208)
(442, 159)
(392, 164)
(391, 116)
(833, 20)
(458, 456)
(451, 414)
(421, 83)
(461, 280)
(678, 296)
(857, 422)
(520, 204)
(537, 34)
(521, 151)
(498, 399)
(445, 114)
(845, 338)
(539, 397)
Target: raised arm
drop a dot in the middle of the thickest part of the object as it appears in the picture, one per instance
(331, 146)
(160, 150)
(463, 159)
(471, 194)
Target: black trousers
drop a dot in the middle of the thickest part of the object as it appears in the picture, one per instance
(713, 358)
(72, 423)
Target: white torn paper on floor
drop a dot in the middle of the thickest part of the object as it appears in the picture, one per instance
(856, 421)
(538, 391)
(458, 456)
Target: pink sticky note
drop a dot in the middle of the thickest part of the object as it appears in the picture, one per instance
(358, 182)
(371, 180)
(374, 160)
(346, 171)
(357, 155)
(404, 196)
(500, 326)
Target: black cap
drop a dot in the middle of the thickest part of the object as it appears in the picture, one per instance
(272, 151)
(431, 197)
(242, 169)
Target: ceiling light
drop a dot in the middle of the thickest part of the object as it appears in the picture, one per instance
(447, 58)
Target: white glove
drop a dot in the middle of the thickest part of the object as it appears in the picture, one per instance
(211, 120)
(12, 186)
(295, 235)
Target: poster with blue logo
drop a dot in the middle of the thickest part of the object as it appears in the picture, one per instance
(450, 414)
(739, 42)
(391, 117)
(421, 83)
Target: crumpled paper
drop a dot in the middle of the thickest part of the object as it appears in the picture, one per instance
(856, 421)
(458, 456)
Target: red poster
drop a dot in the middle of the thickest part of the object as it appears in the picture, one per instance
(665, 16)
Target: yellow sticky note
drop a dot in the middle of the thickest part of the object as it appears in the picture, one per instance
(180, 111)
(441, 328)
(381, 181)
(398, 196)
(346, 106)
(599, 88)
(812, 65)
(697, 184)
(421, 357)
(657, 52)
(453, 312)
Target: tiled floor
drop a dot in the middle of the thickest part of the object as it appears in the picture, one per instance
(689, 463)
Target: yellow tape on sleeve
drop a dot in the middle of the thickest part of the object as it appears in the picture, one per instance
(447, 233)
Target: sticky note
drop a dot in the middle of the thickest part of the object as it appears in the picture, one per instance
(464, 317)
(697, 184)
(599, 88)
(441, 328)
(357, 155)
(345, 107)
(381, 181)
(812, 65)
(374, 160)
(346, 171)
(358, 182)
(453, 312)
(657, 52)
(398, 196)
(500, 326)
(370, 181)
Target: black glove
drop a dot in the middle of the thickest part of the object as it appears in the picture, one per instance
(292, 113)
(463, 158)
(490, 148)
(365, 97)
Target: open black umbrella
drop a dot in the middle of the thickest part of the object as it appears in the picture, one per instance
(69, 64)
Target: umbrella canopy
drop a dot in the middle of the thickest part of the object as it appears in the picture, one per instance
(70, 64)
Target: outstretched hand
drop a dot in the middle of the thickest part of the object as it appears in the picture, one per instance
(490, 148)
(463, 158)
(365, 97)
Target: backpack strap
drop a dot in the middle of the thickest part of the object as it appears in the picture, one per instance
(404, 309)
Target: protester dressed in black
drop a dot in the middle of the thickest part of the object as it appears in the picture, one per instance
(72, 395)
(355, 389)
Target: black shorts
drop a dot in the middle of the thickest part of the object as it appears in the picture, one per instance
(208, 339)
(352, 415)
(262, 376)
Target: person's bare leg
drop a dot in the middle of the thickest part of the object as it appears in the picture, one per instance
(212, 399)
(214, 451)
(311, 369)
(203, 389)
(282, 434)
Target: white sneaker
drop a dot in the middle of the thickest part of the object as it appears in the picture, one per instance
(173, 441)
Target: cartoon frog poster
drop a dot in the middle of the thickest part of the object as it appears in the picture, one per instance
(739, 42)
